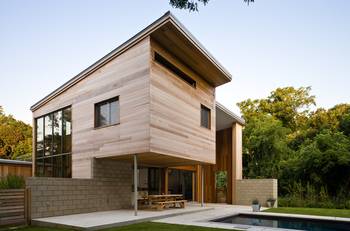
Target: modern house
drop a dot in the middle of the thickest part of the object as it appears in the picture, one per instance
(145, 113)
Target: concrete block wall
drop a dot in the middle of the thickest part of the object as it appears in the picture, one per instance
(262, 189)
(109, 190)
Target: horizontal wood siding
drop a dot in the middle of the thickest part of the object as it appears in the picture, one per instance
(175, 112)
(15, 169)
(126, 76)
(14, 206)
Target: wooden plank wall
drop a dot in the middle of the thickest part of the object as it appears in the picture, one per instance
(15, 169)
(175, 112)
(126, 76)
(223, 163)
(14, 206)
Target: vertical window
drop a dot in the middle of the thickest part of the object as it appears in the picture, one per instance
(205, 117)
(40, 137)
(107, 112)
(67, 130)
(54, 144)
(48, 134)
(57, 133)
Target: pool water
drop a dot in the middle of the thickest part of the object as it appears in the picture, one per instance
(286, 222)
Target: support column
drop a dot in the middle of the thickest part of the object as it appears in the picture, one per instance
(193, 186)
(135, 185)
(202, 193)
(166, 180)
(236, 158)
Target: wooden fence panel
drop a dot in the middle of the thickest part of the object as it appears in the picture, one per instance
(14, 206)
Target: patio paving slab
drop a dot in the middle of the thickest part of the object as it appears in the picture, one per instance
(114, 218)
(218, 211)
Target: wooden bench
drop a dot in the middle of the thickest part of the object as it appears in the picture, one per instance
(160, 205)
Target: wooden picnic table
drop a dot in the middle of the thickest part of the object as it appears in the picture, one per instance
(159, 202)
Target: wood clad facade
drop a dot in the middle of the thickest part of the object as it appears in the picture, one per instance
(126, 76)
(175, 112)
(159, 112)
(24, 170)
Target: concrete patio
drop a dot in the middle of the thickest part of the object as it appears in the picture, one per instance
(217, 211)
(114, 218)
(193, 215)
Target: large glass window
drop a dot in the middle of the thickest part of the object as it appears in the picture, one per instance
(40, 137)
(54, 144)
(57, 133)
(67, 130)
(48, 134)
(107, 112)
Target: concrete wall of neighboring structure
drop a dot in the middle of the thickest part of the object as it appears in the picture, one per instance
(109, 190)
(262, 189)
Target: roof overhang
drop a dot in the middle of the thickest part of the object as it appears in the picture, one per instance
(226, 118)
(152, 159)
(15, 162)
(171, 35)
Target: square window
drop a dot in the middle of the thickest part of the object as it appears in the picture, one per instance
(107, 113)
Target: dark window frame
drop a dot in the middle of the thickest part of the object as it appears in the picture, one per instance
(96, 112)
(50, 158)
(174, 69)
(206, 109)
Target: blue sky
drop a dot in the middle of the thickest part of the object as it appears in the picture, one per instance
(269, 44)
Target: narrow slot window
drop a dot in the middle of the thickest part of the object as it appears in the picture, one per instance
(168, 65)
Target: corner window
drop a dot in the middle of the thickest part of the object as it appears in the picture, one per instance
(107, 112)
(53, 144)
(205, 117)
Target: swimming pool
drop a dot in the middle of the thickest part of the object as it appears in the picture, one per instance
(286, 222)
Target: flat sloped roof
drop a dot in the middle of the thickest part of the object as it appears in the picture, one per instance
(19, 162)
(173, 36)
(225, 118)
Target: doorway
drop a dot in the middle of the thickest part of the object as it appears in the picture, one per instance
(180, 182)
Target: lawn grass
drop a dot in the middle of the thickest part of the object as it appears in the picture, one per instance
(312, 211)
(146, 226)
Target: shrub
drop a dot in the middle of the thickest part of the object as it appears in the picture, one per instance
(12, 182)
(221, 179)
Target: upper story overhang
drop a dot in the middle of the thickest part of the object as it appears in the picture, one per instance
(171, 35)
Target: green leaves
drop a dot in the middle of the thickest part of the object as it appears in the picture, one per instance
(15, 138)
(191, 5)
(285, 139)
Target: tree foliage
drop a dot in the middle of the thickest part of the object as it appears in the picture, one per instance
(283, 138)
(192, 5)
(15, 138)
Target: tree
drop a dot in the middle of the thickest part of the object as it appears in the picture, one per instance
(289, 105)
(15, 138)
(344, 125)
(308, 151)
(192, 5)
(325, 161)
(264, 146)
